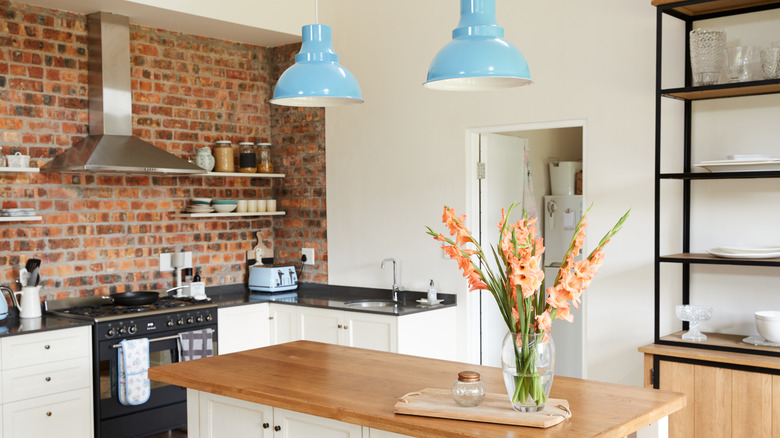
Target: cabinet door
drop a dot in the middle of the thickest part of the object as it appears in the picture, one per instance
(376, 433)
(679, 377)
(712, 409)
(242, 328)
(284, 323)
(366, 330)
(229, 417)
(64, 415)
(751, 404)
(321, 325)
(295, 425)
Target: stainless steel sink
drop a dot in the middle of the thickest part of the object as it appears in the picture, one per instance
(371, 303)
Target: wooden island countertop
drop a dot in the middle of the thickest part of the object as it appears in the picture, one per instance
(361, 387)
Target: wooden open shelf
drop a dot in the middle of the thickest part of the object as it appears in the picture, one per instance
(20, 218)
(197, 215)
(242, 175)
(708, 350)
(714, 260)
(713, 7)
(722, 91)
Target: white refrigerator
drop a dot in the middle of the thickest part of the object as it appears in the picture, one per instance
(561, 215)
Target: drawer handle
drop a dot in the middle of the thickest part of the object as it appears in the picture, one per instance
(48, 414)
(48, 379)
(47, 347)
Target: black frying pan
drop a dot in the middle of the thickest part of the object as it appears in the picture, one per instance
(135, 298)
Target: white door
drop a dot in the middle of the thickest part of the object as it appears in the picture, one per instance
(320, 325)
(284, 320)
(504, 159)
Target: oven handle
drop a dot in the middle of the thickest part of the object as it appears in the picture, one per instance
(164, 338)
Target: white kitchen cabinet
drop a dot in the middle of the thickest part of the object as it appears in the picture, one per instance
(352, 329)
(47, 384)
(283, 323)
(242, 328)
(376, 433)
(220, 416)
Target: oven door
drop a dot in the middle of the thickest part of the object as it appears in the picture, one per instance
(166, 407)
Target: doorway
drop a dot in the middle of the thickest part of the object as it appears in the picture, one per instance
(501, 152)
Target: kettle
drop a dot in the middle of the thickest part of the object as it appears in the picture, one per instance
(30, 305)
(4, 304)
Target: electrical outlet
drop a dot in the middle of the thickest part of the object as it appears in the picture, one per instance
(165, 262)
(309, 253)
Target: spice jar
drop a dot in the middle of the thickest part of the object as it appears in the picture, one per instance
(265, 165)
(223, 157)
(247, 159)
(468, 390)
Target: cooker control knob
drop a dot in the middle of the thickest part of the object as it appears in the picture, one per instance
(180, 321)
(121, 330)
(190, 320)
(209, 318)
(169, 323)
(111, 332)
(133, 329)
(200, 318)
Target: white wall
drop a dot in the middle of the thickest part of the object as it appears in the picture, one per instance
(395, 160)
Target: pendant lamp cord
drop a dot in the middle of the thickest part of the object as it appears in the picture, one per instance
(316, 12)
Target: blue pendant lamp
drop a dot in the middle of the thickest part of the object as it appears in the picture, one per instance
(478, 57)
(316, 79)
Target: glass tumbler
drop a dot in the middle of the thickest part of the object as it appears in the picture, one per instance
(770, 62)
(741, 63)
(707, 47)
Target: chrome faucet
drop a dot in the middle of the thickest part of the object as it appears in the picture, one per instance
(395, 281)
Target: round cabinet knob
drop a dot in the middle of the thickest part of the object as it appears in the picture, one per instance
(48, 414)
(340, 326)
(48, 379)
(47, 347)
(270, 317)
(277, 428)
(133, 329)
(266, 425)
(346, 327)
(169, 323)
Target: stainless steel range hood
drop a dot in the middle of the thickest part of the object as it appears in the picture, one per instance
(111, 147)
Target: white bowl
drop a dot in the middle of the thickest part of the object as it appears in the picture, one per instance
(201, 201)
(224, 208)
(768, 325)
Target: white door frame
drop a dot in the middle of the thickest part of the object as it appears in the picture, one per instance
(473, 211)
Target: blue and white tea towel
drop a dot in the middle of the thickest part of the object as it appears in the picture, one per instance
(133, 366)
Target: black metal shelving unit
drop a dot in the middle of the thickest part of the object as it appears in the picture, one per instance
(689, 12)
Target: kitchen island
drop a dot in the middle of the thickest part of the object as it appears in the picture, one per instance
(360, 387)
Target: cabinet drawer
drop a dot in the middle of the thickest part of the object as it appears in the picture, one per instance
(45, 347)
(46, 379)
(64, 415)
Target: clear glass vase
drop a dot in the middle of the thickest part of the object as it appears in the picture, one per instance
(528, 363)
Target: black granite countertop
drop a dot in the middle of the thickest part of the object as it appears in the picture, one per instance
(13, 325)
(329, 296)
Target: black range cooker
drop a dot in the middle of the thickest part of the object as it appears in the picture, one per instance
(161, 322)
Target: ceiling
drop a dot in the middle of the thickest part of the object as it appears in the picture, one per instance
(265, 23)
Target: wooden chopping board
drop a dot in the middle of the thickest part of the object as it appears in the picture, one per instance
(496, 408)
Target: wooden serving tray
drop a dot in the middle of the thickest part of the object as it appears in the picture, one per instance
(496, 408)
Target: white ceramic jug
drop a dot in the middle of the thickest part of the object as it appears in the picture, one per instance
(30, 304)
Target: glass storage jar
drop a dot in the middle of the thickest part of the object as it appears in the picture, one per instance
(264, 165)
(223, 157)
(468, 390)
(247, 159)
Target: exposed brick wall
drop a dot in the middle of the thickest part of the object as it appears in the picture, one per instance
(300, 138)
(102, 233)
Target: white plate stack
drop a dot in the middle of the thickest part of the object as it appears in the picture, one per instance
(757, 252)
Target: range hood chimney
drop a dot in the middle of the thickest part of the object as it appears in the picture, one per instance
(110, 146)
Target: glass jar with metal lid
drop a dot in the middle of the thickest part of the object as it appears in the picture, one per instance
(264, 164)
(468, 390)
(247, 158)
(223, 157)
